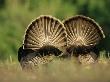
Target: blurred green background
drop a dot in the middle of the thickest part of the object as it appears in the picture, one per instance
(15, 15)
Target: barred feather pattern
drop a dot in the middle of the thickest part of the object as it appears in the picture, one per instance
(89, 58)
(34, 60)
(82, 33)
(45, 31)
(44, 36)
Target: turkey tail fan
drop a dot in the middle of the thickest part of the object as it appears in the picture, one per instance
(46, 34)
(83, 33)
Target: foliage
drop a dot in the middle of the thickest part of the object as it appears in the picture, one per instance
(57, 71)
(15, 15)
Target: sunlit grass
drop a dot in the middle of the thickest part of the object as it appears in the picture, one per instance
(62, 70)
(15, 17)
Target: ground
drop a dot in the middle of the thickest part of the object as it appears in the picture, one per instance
(67, 70)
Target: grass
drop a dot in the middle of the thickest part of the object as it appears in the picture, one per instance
(67, 70)
(17, 14)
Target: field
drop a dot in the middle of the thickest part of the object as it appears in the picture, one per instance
(15, 15)
(67, 70)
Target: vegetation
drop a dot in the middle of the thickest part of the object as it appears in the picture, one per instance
(15, 15)
(57, 71)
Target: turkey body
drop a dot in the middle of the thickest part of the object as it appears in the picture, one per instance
(83, 36)
(44, 38)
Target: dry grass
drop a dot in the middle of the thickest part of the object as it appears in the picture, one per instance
(57, 71)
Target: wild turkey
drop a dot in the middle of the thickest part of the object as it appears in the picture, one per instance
(83, 36)
(45, 37)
